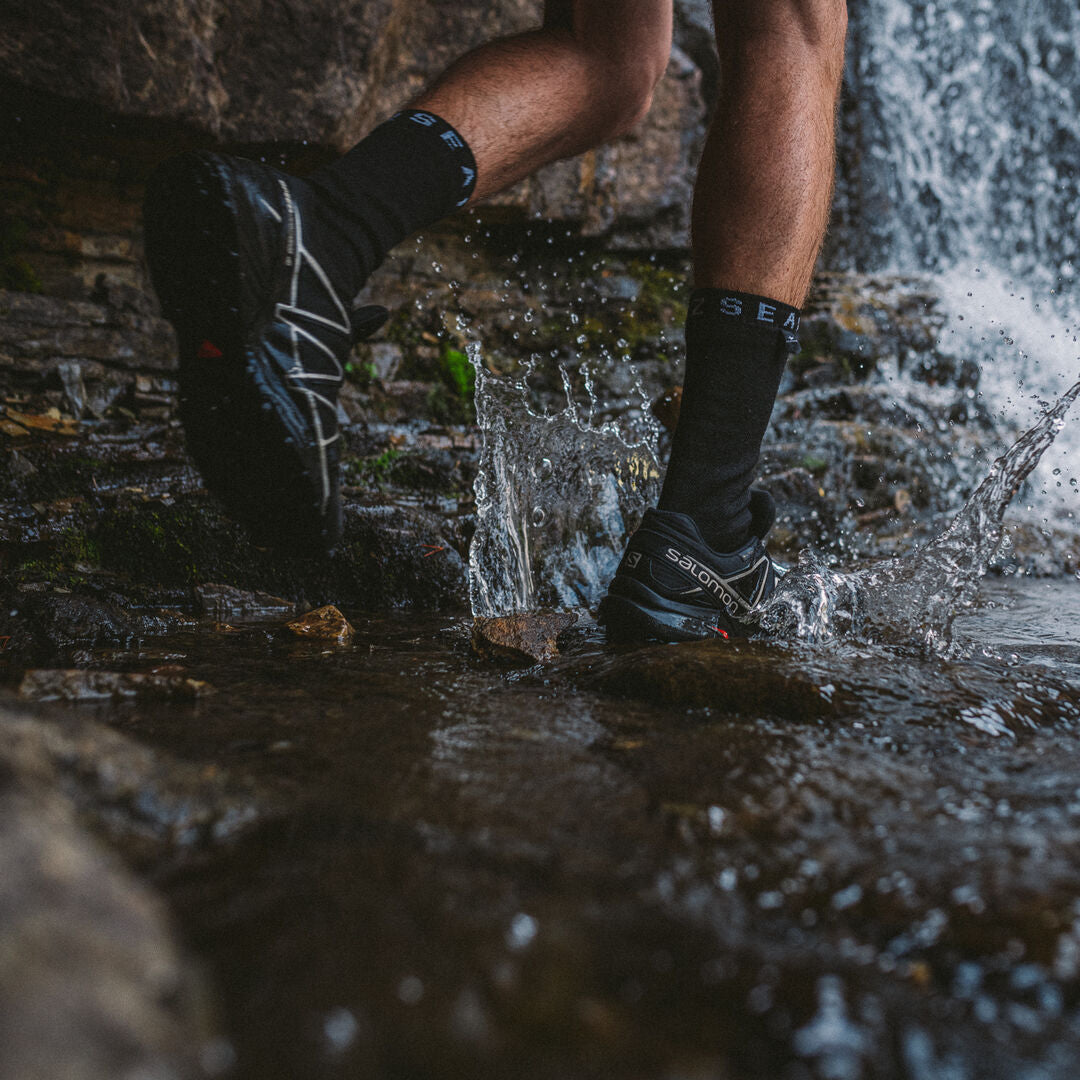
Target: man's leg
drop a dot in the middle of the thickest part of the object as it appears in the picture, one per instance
(586, 77)
(765, 181)
(516, 103)
(761, 204)
(256, 269)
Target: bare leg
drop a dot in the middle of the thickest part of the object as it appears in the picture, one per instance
(586, 77)
(765, 182)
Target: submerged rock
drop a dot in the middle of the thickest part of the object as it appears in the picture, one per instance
(50, 684)
(742, 677)
(529, 638)
(224, 603)
(325, 623)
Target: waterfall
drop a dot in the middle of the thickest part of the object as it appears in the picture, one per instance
(960, 153)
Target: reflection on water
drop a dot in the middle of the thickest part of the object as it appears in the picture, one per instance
(758, 860)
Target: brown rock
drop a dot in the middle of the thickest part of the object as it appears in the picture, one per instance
(666, 408)
(77, 684)
(520, 639)
(325, 623)
(251, 71)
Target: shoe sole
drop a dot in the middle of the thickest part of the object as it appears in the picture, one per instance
(645, 616)
(240, 423)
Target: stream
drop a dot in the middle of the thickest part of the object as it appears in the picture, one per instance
(764, 859)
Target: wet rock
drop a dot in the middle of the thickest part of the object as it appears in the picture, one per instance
(224, 603)
(93, 984)
(388, 557)
(152, 59)
(39, 334)
(731, 676)
(529, 638)
(324, 624)
(1039, 551)
(48, 684)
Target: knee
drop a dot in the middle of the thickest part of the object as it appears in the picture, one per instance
(632, 82)
(807, 32)
(624, 64)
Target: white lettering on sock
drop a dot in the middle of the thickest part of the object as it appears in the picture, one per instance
(423, 119)
(731, 305)
(792, 322)
(765, 312)
(451, 139)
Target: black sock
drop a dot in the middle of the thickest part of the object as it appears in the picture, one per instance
(736, 349)
(407, 174)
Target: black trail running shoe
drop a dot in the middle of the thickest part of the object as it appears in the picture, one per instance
(671, 586)
(264, 330)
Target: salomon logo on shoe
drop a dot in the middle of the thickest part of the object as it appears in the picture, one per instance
(671, 586)
(695, 569)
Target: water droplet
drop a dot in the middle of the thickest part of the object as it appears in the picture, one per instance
(410, 990)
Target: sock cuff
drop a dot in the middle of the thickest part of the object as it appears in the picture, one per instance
(445, 138)
(710, 309)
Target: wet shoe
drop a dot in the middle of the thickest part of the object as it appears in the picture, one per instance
(671, 586)
(265, 328)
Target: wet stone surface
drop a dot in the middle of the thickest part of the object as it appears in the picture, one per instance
(729, 859)
(94, 982)
(531, 638)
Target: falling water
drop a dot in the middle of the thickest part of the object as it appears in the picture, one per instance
(960, 149)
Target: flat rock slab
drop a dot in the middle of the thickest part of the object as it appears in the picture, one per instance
(529, 638)
(77, 684)
(324, 624)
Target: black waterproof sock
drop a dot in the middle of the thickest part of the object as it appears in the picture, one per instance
(407, 174)
(736, 348)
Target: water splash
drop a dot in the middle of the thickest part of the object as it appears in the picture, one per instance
(556, 496)
(915, 598)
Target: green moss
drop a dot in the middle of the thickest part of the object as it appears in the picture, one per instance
(458, 372)
(814, 464)
(63, 561)
(402, 330)
(375, 471)
(361, 372)
(662, 291)
(15, 272)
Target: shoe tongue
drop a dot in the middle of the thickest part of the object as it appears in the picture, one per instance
(762, 512)
(366, 320)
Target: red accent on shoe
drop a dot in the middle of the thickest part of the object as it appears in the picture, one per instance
(722, 633)
(209, 351)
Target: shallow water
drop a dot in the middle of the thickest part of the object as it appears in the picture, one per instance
(748, 859)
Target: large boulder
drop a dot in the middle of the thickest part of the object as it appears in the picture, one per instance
(321, 73)
(252, 71)
(92, 984)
